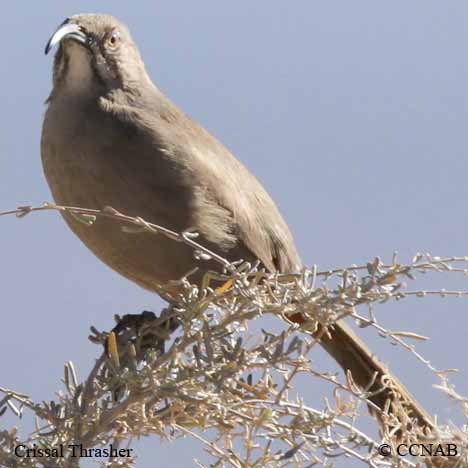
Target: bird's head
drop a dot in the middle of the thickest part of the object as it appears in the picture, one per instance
(95, 52)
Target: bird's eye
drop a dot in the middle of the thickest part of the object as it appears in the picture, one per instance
(113, 39)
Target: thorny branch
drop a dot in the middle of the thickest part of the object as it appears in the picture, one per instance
(221, 385)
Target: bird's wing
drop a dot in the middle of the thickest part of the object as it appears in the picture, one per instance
(229, 207)
(249, 210)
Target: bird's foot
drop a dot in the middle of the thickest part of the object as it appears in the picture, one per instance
(136, 338)
(135, 335)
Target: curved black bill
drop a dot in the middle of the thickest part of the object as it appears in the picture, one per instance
(66, 30)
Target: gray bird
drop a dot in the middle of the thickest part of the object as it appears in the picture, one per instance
(111, 138)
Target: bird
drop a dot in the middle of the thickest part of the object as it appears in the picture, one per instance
(110, 137)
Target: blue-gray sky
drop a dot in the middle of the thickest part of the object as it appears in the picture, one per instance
(352, 114)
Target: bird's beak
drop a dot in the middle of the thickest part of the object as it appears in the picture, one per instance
(67, 30)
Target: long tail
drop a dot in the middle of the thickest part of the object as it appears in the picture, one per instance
(353, 355)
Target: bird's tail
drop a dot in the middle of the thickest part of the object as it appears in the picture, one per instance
(385, 391)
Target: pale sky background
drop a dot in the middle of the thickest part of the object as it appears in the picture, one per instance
(352, 114)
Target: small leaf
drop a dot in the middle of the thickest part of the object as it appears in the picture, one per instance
(290, 453)
(389, 278)
(83, 218)
(411, 335)
(112, 350)
(133, 229)
(23, 211)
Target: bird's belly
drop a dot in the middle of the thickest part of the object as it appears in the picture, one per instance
(150, 260)
(145, 258)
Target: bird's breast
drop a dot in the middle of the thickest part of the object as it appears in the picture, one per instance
(91, 160)
(91, 163)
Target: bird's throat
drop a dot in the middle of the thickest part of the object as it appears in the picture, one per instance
(78, 73)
